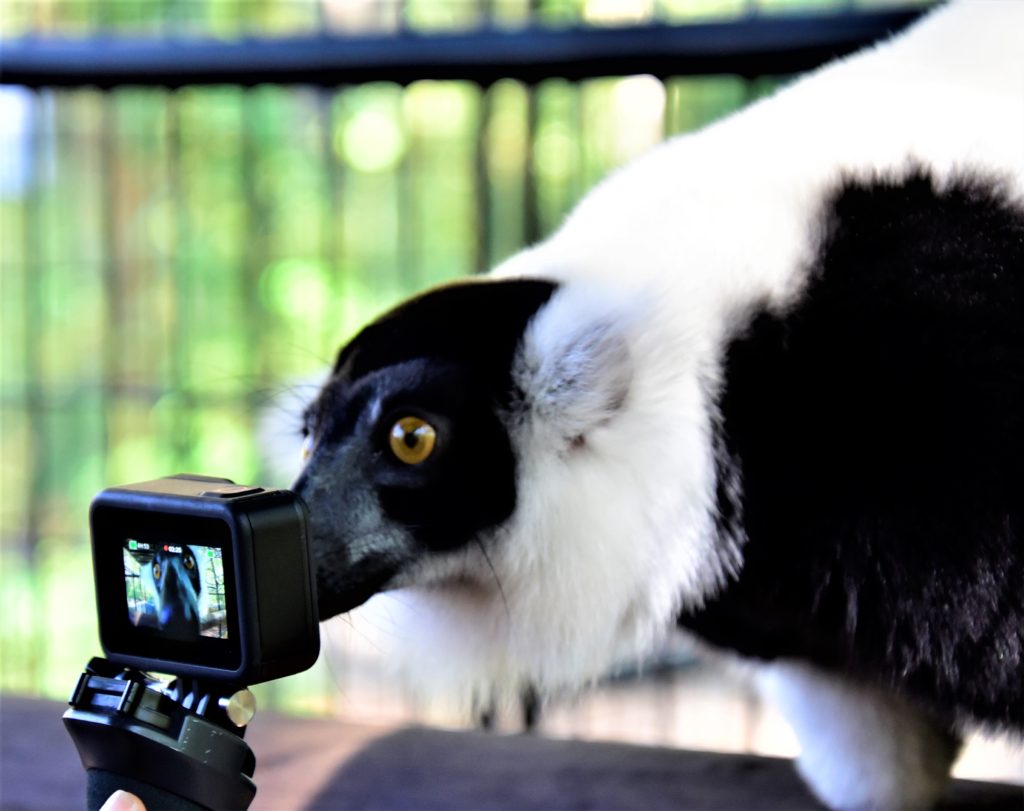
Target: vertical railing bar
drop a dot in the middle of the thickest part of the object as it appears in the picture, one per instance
(409, 249)
(110, 273)
(670, 116)
(332, 235)
(575, 186)
(34, 394)
(246, 275)
(484, 231)
(113, 304)
(752, 8)
(531, 204)
(180, 326)
(257, 250)
(485, 225)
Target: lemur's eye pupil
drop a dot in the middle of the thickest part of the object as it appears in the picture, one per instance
(156, 571)
(412, 440)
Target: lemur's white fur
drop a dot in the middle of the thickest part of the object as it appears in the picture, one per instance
(667, 255)
(860, 747)
(660, 264)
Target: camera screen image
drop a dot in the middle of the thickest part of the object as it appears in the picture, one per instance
(175, 590)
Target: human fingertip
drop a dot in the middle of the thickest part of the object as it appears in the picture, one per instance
(122, 800)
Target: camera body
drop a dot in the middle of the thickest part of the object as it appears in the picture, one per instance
(199, 577)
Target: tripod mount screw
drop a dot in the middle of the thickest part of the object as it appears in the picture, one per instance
(240, 707)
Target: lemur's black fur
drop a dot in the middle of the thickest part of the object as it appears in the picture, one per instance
(878, 428)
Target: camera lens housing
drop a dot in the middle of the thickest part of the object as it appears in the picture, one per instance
(200, 577)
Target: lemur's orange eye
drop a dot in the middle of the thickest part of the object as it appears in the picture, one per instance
(412, 440)
(190, 563)
(307, 447)
(156, 570)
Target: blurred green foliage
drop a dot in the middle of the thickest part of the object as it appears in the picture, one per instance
(171, 261)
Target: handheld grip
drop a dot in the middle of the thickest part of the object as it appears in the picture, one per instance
(134, 733)
(102, 783)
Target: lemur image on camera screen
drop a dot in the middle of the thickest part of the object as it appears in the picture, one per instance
(764, 383)
(176, 590)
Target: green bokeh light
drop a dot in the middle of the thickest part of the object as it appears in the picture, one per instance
(299, 290)
(371, 141)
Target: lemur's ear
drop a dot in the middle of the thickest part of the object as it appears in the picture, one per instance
(574, 367)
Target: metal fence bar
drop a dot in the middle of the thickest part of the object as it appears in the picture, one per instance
(755, 46)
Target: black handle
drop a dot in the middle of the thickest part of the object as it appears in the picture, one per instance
(101, 784)
(136, 734)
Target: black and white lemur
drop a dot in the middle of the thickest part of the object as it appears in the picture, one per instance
(766, 382)
(177, 596)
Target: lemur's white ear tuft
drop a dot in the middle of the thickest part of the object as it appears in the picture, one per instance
(574, 367)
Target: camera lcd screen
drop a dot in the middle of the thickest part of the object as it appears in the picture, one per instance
(166, 588)
(176, 591)
(196, 577)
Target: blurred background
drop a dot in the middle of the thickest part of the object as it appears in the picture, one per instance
(177, 268)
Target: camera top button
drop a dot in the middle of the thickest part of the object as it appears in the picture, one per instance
(231, 491)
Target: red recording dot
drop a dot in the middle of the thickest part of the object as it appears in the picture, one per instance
(165, 547)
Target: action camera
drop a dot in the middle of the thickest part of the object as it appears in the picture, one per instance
(203, 578)
(206, 581)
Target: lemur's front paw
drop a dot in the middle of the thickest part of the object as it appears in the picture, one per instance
(861, 748)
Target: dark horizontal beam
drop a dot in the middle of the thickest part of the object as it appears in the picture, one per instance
(753, 46)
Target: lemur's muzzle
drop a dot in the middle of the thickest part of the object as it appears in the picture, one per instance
(354, 555)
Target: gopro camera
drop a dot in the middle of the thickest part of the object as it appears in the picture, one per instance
(200, 577)
(207, 581)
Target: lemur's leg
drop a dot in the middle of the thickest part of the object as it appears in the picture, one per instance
(861, 748)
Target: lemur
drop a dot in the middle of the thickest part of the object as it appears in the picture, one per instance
(765, 382)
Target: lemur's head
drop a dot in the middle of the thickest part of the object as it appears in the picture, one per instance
(174, 581)
(485, 448)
